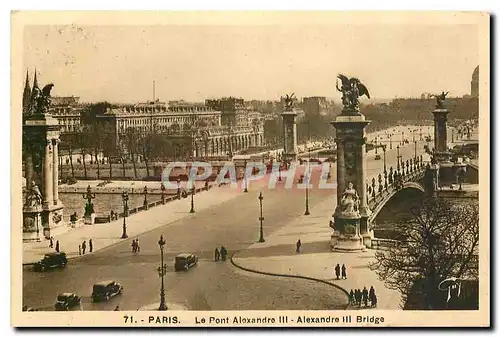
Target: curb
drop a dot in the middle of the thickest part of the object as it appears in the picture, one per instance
(77, 257)
(346, 306)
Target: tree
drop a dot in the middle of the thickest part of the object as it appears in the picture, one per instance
(132, 140)
(440, 241)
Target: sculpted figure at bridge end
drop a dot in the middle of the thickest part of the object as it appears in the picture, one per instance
(349, 202)
(440, 99)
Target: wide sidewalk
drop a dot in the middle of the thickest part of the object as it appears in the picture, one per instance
(277, 256)
(105, 235)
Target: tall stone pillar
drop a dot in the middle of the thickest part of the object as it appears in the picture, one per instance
(55, 175)
(289, 135)
(441, 153)
(350, 222)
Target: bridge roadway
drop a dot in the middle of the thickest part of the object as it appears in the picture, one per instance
(210, 285)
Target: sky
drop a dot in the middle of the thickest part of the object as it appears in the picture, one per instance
(195, 62)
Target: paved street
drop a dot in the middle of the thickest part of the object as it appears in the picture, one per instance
(210, 285)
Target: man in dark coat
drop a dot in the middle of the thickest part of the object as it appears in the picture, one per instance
(352, 299)
(223, 253)
(90, 246)
(365, 296)
(358, 297)
(337, 271)
(84, 246)
(371, 293)
(51, 242)
(299, 244)
(57, 246)
(344, 273)
(217, 254)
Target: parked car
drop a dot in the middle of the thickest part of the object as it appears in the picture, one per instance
(185, 261)
(377, 157)
(50, 261)
(104, 290)
(66, 301)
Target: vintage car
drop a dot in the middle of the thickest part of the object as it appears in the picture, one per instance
(66, 301)
(185, 261)
(50, 261)
(104, 290)
(377, 157)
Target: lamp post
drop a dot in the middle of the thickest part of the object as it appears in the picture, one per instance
(179, 189)
(415, 148)
(279, 171)
(245, 177)
(192, 199)
(261, 218)
(376, 148)
(390, 141)
(306, 178)
(398, 157)
(125, 213)
(162, 271)
(383, 148)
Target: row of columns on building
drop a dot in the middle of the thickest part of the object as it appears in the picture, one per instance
(223, 145)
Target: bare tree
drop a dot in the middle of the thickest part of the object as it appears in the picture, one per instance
(132, 138)
(440, 241)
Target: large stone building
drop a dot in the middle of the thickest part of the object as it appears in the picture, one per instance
(217, 128)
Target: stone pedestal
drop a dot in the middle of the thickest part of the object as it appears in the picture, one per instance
(41, 133)
(32, 224)
(351, 167)
(347, 236)
(441, 153)
(89, 219)
(290, 136)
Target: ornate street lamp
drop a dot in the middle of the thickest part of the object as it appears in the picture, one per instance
(89, 208)
(162, 271)
(415, 149)
(398, 157)
(261, 218)
(306, 177)
(390, 141)
(245, 177)
(125, 213)
(193, 190)
(383, 148)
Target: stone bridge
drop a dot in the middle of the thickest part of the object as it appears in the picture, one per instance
(408, 175)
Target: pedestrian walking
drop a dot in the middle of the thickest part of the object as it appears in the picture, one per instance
(337, 271)
(84, 246)
(137, 247)
(358, 297)
(57, 246)
(79, 249)
(365, 296)
(344, 273)
(352, 299)
(299, 245)
(217, 254)
(371, 293)
(51, 244)
(134, 247)
(90, 246)
(223, 253)
(374, 301)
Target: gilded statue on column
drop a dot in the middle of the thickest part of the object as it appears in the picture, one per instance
(351, 90)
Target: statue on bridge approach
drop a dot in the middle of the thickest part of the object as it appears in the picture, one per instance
(34, 197)
(349, 203)
(440, 99)
(288, 99)
(351, 90)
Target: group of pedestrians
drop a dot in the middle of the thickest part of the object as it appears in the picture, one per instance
(113, 215)
(358, 297)
(135, 246)
(51, 244)
(220, 254)
(83, 247)
(341, 272)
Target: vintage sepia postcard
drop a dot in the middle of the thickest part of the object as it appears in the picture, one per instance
(250, 169)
